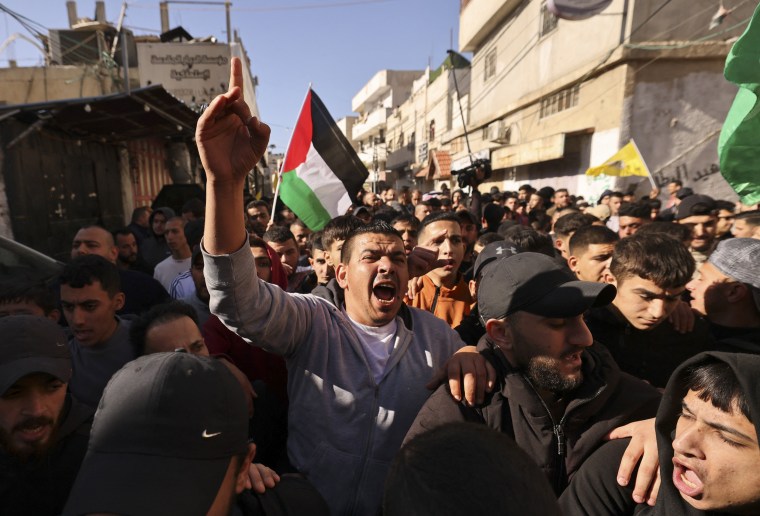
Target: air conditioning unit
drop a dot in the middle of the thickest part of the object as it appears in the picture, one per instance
(500, 132)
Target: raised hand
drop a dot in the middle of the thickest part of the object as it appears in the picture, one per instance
(230, 141)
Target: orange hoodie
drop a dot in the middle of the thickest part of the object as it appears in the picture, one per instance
(451, 305)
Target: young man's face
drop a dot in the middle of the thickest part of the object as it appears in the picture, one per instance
(715, 458)
(421, 211)
(469, 233)
(549, 350)
(591, 264)
(535, 201)
(332, 255)
(561, 199)
(416, 197)
(196, 272)
(374, 278)
(741, 229)
(444, 236)
(258, 214)
(288, 253)
(703, 231)
(706, 290)
(179, 333)
(29, 414)
(724, 222)
(321, 268)
(302, 237)
(408, 235)
(159, 224)
(127, 246)
(263, 264)
(175, 235)
(96, 241)
(629, 226)
(90, 312)
(615, 203)
(644, 304)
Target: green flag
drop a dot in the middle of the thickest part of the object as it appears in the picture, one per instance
(739, 144)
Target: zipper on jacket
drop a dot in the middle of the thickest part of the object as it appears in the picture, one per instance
(559, 432)
(435, 300)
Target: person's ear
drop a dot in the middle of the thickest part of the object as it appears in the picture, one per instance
(500, 333)
(736, 291)
(341, 275)
(113, 254)
(118, 301)
(572, 262)
(473, 287)
(241, 478)
(54, 315)
(607, 277)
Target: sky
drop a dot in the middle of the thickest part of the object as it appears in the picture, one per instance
(336, 45)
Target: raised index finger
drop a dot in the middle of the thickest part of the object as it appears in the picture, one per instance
(239, 106)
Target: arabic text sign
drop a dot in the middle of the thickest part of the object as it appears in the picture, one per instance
(193, 72)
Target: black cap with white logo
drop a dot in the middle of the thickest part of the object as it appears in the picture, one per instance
(163, 436)
(32, 344)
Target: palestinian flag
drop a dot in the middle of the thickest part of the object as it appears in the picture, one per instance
(321, 173)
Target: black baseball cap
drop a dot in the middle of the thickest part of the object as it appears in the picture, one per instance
(695, 205)
(32, 344)
(534, 283)
(162, 439)
(492, 252)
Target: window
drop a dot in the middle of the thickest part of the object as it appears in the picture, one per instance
(431, 131)
(548, 21)
(489, 69)
(560, 101)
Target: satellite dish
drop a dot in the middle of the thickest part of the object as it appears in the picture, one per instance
(576, 9)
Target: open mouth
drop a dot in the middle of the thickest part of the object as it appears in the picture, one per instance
(33, 432)
(385, 292)
(686, 480)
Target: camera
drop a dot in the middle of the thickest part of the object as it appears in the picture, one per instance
(472, 175)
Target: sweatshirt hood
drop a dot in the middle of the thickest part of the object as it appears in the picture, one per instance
(746, 368)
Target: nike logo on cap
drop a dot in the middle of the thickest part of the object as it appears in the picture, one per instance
(206, 435)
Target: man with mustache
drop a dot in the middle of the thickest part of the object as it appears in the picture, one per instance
(558, 394)
(43, 429)
(358, 364)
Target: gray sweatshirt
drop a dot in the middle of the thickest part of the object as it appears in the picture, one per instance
(343, 428)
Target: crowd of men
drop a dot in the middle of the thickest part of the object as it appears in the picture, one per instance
(448, 352)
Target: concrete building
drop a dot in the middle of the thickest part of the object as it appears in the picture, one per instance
(550, 97)
(374, 103)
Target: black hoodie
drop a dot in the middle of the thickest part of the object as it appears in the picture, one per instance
(594, 490)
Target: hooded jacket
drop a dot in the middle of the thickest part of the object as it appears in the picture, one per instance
(606, 399)
(344, 428)
(449, 304)
(595, 492)
(41, 487)
(154, 249)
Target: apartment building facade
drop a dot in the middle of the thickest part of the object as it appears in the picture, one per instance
(551, 97)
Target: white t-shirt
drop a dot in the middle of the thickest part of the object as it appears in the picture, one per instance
(168, 269)
(377, 343)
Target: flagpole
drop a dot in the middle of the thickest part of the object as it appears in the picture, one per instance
(285, 159)
(649, 174)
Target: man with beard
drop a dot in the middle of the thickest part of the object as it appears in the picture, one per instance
(43, 429)
(129, 257)
(558, 394)
(699, 213)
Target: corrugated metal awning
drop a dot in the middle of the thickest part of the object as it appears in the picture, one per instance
(145, 112)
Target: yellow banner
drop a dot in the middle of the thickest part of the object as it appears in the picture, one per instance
(626, 162)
